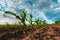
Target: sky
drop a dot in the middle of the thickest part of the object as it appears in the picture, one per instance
(48, 10)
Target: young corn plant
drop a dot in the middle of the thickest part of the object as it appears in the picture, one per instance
(44, 22)
(22, 16)
(38, 22)
(30, 19)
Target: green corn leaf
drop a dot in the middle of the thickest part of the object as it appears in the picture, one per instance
(31, 19)
(22, 14)
(12, 13)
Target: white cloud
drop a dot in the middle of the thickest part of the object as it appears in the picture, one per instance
(42, 14)
(58, 8)
(4, 20)
(59, 1)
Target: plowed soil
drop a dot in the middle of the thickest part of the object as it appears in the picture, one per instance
(49, 32)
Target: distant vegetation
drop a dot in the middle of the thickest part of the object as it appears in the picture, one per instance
(57, 22)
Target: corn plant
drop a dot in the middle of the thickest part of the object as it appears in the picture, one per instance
(22, 16)
(44, 22)
(30, 19)
(38, 22)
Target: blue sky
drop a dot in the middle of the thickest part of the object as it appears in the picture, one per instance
(48, 10)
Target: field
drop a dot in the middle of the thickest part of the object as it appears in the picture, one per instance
(19, 32)
(35, 30)
(15, 31)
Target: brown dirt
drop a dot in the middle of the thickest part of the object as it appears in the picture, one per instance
(49, 32)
